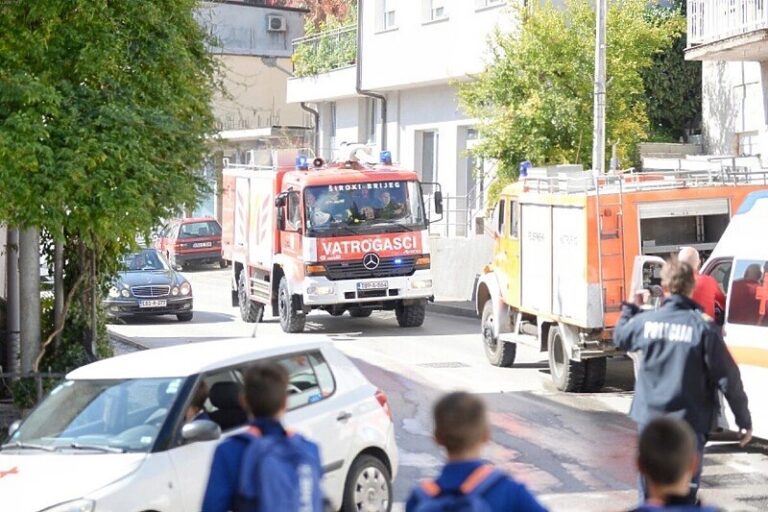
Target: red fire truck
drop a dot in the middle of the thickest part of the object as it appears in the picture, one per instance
(303, 235)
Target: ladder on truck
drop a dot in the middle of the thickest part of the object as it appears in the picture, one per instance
(610, 253)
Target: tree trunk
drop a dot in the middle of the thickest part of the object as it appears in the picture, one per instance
(58, 284)
(29, 293)
(13, 310)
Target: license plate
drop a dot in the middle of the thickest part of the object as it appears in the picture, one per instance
(372, 285)
(197, 245)
(152, 303)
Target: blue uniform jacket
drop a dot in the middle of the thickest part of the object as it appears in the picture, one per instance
(221, 490)
(684, 362)
(505, 495)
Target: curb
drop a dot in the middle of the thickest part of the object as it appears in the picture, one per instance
(445, 309)
(126, 341)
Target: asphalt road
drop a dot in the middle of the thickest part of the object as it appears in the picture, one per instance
(574, 451)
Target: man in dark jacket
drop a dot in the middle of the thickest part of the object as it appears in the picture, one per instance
(684, 361)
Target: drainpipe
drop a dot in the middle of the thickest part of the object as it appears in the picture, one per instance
(359, 84)
(316, 117)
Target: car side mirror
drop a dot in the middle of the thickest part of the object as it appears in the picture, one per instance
(178, 268)
(13, 428)
(438, 202)
(199, 431)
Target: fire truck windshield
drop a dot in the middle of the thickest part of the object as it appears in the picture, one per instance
(351, 208)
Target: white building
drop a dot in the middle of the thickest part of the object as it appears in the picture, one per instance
(253, 47)
(730, 37)
(412, 53)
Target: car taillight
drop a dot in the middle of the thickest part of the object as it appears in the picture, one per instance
(381, 397)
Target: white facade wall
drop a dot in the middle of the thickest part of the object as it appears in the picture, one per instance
(735, 108)
(418, 50)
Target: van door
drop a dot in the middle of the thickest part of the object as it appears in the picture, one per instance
(746, 333)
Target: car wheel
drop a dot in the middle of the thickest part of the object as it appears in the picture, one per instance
(291, 317)
(568, 375)
(185, 317)
(499, 353)
(360, 312)
(411, 316)
(250, 311)
(368, 487)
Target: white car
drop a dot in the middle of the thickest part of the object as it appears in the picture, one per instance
(112, 436)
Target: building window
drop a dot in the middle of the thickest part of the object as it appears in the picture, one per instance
(370, 120)
(482, 4)
(429, 152)
(435, 10)
(748, 143)
(386, 14)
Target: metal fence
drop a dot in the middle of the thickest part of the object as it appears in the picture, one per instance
(713, 20)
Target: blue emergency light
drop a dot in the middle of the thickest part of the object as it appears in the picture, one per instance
(302, 163)
(398, 261)
(385, 157)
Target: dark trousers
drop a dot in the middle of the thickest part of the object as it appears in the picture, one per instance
(701, 441)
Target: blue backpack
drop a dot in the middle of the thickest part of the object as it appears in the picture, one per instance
(467, 498)
(279, 473)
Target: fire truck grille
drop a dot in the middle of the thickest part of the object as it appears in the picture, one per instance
(388, 267)
(150, 291)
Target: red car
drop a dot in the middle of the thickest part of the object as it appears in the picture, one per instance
(191, 241)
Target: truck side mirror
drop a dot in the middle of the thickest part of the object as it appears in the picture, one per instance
(281, 217)
(281, 199)
(438, 202)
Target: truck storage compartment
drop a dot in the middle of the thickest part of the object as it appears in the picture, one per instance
(668, 225)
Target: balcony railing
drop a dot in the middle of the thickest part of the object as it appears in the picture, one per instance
(714, 20)
(326, 51)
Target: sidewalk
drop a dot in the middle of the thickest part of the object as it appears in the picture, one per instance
(463, 308)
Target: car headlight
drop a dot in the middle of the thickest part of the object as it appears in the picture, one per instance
(175, 291)
(81, 505)
(320, 290)
(125, 293)
(421, 283)
(186, 289)
(114, 292)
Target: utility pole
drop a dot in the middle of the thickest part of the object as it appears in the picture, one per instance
(598, 132)
(13, 320)
(29, 293)
(58, 282)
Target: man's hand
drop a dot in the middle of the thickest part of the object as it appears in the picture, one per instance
(641, 297)
(745, 436)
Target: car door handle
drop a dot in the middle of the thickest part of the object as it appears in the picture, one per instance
(343, 416)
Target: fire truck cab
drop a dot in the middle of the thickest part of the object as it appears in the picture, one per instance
(571, 246)
(303, 235)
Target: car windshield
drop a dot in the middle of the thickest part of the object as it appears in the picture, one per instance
(199, 229)
(366, 208)
(144, 260)
(748, 296)
(100, 415)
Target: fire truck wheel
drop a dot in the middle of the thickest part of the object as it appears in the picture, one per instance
(594, 380)
(291, 317)
(568, 375)
(360, 313)
(250, 311)
(411, 316)
(498, 352)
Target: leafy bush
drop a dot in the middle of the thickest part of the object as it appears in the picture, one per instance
(330, 44)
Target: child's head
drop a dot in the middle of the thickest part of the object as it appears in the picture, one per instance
(265, 390)
(666, 454)
(461, 425)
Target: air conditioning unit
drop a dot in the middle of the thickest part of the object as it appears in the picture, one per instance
(276, 23)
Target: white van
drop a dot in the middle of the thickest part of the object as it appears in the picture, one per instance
(739, 263)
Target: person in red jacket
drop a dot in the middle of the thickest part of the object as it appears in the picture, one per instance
(707, 292)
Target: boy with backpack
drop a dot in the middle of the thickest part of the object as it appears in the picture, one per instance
(467, 483)
(667, 458)
(266, 468)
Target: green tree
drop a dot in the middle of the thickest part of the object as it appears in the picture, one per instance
(672, 84)
(104, 122)
(535, 99)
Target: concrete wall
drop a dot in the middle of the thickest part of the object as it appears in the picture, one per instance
(255, 94)
(455, 263)
(242, 29)
(734, 98)
(667, 150)
(420, 51)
